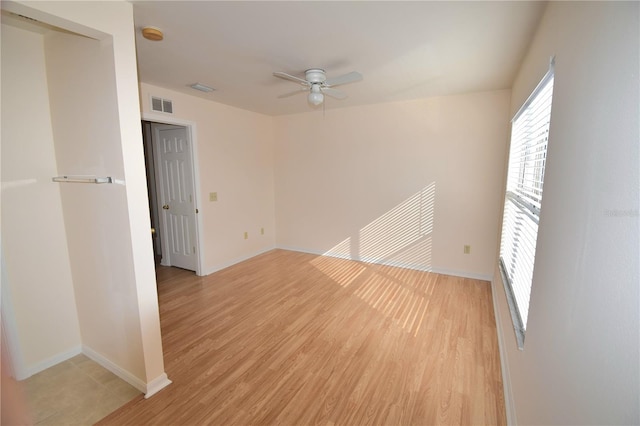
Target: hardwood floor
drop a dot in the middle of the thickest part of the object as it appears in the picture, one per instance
(298, 339)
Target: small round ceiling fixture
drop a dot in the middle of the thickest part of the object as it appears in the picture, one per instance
(152, 33)
(315, 95)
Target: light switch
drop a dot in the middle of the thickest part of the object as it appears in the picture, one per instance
(213, 196)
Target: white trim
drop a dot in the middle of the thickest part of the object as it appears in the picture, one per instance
(149, 389)
(115, 369)
(156, 385)
(462, 274)
(518, 329)
(509, 406)
(237, 260)
(192, 133)
(413, 266)
(54, 360)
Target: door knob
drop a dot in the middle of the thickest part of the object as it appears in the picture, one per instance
(166, 207)
(153, 231)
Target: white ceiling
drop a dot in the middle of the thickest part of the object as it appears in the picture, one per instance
(405, 50)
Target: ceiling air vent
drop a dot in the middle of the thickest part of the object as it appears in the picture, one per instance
(161, 105)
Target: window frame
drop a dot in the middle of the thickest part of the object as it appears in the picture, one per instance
(524, 205)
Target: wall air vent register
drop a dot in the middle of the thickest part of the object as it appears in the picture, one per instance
(161, 105)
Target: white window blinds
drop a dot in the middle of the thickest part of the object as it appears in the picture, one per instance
(523, 198)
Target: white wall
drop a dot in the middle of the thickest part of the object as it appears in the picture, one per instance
(580, 363)
(235, 159)
(86, 142)
(405, 183)
(96, 127)
(37, 263)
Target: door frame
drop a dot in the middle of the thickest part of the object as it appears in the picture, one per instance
(192, 138)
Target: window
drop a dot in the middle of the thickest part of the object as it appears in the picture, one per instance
(523, 199)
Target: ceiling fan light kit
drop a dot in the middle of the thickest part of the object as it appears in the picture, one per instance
(315, 95)
(317, 84)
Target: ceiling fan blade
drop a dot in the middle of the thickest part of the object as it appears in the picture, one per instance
(291, 77)
(343, 79)
(295, 92)
(334, 93)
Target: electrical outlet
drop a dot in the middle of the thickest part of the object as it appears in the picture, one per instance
(213, 196)
(246, 235)
(467, 249)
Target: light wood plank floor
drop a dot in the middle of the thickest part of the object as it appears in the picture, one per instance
(298, 339)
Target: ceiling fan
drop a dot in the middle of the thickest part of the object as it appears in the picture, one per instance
(318, 85)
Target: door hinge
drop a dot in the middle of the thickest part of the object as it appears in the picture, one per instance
(196, 211)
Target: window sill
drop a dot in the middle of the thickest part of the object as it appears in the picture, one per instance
(513, 310)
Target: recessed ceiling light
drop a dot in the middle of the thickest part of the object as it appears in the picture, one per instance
(152, 33)
(202, 87)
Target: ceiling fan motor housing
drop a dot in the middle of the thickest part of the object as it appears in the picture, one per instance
(315, 75)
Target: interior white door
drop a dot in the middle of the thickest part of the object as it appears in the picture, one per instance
(176, 196)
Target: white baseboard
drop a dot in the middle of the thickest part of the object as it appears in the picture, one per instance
(148, 389)
(463, 274)
(232, 262)
(156, 385)
(50, 362)
(504, 366)
(417, 267)
(115, 369)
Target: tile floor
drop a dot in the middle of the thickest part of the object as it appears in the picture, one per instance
(75, 392)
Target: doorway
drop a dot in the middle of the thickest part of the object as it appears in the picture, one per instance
(170, 161)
